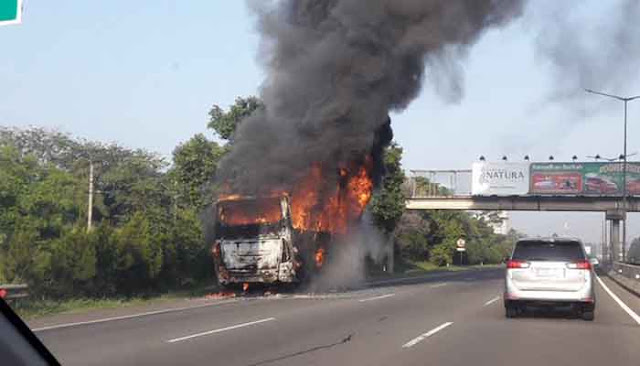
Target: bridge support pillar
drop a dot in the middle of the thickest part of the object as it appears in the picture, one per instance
(605, 243)
(615, 216)
(615, 240)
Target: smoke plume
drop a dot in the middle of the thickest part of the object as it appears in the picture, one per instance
(336, 68)
(589, 44)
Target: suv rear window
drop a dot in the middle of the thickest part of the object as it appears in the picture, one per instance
(539, 250)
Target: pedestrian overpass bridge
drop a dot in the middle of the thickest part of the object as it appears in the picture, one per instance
(611, 205)
(451, 190)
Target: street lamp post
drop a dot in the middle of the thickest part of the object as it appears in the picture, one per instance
(624, 164)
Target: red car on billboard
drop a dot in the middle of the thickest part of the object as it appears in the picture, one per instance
(564, 183)
(633, 187)
(601, 185)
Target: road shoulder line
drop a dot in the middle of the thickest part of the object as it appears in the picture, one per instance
(124, 317)
(615, 297)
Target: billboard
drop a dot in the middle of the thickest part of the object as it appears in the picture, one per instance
(556, 178)
(599, 179)
(501, 179)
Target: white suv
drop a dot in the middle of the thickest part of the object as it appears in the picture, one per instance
(549, 271)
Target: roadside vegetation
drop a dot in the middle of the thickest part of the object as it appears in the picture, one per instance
(149, 223)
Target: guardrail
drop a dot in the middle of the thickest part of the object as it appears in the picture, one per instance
(628, 275)
(13, 291)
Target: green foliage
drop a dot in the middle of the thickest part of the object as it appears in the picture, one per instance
(186, 259)
(411, 237)
(433, 235)
(146, 236)
(225, 123)
(73, 263)
(441, 255)
(195, 163)
(388, 204)
(139, 254)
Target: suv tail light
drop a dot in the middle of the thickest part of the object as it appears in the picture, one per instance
(514, 263)
(583, 264)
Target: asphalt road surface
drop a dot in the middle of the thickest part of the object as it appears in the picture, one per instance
(443, 319)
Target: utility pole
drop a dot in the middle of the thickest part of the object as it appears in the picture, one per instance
(90, 208)
(624, 168)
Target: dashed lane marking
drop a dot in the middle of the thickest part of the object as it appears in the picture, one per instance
(426, 335)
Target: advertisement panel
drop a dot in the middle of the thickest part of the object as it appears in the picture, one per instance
(606, 178)
(501, 179)
(599, 179)
(556, 178)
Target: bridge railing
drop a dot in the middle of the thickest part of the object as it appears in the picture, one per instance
(439, 183)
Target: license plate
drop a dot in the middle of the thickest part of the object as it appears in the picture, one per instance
(549, 272)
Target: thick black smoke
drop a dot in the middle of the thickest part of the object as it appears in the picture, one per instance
(336, 68)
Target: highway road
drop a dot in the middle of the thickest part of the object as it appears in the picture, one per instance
(442, 319)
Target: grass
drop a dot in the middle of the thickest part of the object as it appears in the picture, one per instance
(418, 268)
(430, 267)
(31, 308)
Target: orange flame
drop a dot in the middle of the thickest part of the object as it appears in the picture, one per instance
(319, 257)
(314, 205)
(339, 206)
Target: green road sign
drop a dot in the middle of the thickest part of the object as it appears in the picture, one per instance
(10, 12)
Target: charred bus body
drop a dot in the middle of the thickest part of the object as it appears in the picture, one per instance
(255, 242)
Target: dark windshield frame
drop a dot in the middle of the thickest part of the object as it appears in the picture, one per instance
(251, 207)
(549, 250)
(247, 231)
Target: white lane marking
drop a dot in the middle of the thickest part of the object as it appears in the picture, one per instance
(428, 334)
(220, 330)
(66, 325)
(624, 306)
(439, 285)
(377, 297)
(492, 301)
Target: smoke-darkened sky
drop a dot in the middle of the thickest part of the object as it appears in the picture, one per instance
(145, 74)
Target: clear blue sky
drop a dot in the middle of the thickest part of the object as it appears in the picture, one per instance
(144, 73)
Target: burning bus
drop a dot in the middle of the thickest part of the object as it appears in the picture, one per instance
(254, 240)
(286, 237)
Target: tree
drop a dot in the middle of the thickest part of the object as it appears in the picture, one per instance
(194, 165)
(388, 204)
(186, 258)
(139, 254)
(73, 263)
(225, 123)
(410, 237)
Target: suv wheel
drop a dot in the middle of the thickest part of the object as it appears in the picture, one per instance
(588, 315)
(511, 311)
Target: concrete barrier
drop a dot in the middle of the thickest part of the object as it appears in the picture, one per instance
(626, 275)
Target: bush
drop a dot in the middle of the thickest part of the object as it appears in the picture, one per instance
(441, 255)
(73, 263)
(139, 255)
